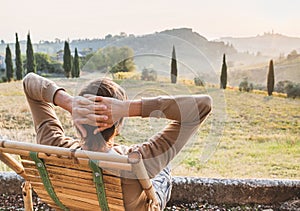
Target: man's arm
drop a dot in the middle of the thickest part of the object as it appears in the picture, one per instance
(187, 113)
(63, 100)
(40, 93)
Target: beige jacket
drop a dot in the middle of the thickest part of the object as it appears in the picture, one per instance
(187, 112)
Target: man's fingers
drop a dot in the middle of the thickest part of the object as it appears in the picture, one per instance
(85, 121)
(81, 130)
(80, 111)
(102, 124)
(94, 98)
(94, 120)
(100, 107)
(101, 128)
(90, 109)
(97, 118)
(97, 130)
(81, 100)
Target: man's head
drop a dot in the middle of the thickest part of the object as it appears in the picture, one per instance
(106, 88)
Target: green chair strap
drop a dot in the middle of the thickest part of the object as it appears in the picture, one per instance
(98, 180)
(45, 179)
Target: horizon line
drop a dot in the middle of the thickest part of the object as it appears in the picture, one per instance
(145, 34)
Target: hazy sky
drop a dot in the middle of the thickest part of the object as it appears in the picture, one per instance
(75, 19)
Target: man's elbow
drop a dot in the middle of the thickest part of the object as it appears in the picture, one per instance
(204, 106)
(208, 102)
(28, 78)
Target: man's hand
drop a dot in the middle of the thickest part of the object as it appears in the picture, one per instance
(115, 110)
(98, 111)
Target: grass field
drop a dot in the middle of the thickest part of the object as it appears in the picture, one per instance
(247, 136)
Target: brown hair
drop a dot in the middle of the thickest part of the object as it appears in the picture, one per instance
(107, 88)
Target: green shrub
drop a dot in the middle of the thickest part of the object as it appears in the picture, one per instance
(245, 86)
(198, 81)
(294, 91)
(55, 67)
(3, 79)
(291, 89)
(283, 86)
(149, 75)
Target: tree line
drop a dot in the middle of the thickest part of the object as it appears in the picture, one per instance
(291, 89)
(112, 59)
(117, 59)
(40, 61)
(288, 87)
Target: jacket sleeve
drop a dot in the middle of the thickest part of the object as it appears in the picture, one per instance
(40, 92)
(187, 113)
(39, 88)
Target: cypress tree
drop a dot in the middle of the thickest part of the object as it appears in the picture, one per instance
(271, 78)
(9, 64)
(75, 69)
(173, 67)
(19, 67)
(67, 60)
(30, 61)
(223, 78)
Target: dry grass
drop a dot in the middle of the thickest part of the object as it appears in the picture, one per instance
(248, 136)
(261, 139)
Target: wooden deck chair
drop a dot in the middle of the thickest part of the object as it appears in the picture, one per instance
(69, 179)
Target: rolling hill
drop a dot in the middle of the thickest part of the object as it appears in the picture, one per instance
(285, 69)
(268, 44)
(196, 55)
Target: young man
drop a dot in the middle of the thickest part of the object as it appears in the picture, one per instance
(98, 112)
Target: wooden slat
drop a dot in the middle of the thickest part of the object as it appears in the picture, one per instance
(89, 189)
(54, 170)
(84, 192)
(112, 197)
(72, 195)
(71, 204)
(111, 190)
(12, 163)
(110, 166)
(27, 196)
(72, 173)
(67, 196)
(38, 186)
(66, 171)
(112, 207)
(14, 151)
(16, 146)
(69, 165)
(62, 161)
(69, 179)
(43, 195)
(112, 183)
(39, 189)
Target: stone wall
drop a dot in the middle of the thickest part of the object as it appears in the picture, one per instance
(234, 191)
(10, 183)
(218, 191)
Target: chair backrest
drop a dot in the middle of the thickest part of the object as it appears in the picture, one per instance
(68, 180)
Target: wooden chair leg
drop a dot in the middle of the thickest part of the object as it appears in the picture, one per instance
(27, 196)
